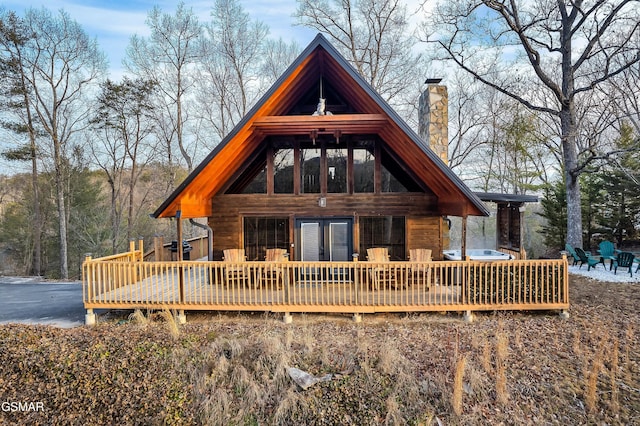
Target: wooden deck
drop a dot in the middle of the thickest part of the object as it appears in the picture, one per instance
(127, 282)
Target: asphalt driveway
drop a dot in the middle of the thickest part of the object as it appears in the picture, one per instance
(28, 301)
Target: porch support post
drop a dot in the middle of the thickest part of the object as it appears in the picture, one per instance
(90, 317)
(179, 256)
(564, 314)
(181, 317)
(521, 210)
(463, 239)
(179, 235)
(468, 317)
(357, 317)
(287, 318)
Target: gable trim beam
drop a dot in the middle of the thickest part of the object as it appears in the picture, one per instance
(298, 125)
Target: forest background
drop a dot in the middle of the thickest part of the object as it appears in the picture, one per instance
(544, 99)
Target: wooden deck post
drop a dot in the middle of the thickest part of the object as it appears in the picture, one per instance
(90, 317)
(141, 248)
(158, 248)
(88, 278)
(287, 318)
(134, 259)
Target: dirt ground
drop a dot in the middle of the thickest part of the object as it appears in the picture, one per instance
(427, 369)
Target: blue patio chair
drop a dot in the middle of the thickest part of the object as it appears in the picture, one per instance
(607, 252)
(624, 260)
(585, 258)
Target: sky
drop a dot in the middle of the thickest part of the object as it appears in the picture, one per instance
(113, 22)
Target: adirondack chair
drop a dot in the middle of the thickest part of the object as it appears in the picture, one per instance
(381, 275)
(624, 259)
(606, 250)
(235, 273)
(420, 255)
(572, 252)
(583, 258)
(419, 272)
(271, 273)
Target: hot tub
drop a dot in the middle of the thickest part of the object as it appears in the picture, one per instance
(477, 254)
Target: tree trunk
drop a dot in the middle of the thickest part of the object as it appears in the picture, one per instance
(569, 150)
(568, 129)
(37, 221)
(132, 184)
(62, 211)
(114, 216)
(180, 127)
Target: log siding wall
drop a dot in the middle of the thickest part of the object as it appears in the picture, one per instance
(424, 225)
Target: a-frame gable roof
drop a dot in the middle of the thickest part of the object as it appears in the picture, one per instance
(272, 115)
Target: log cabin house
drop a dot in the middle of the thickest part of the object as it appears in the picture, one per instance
(324, 169)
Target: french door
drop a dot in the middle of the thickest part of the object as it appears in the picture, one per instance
(325, 239)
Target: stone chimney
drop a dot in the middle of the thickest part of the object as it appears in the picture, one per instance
(433, 118)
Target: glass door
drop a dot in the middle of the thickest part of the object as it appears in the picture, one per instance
(321, 239)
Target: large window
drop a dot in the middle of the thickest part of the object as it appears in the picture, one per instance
(326, 166)
(258, 185)
(363, 169)
(283, 161)
(310, 171)
(389, 183)
(383, 231)
(261, 233)
(337, 170)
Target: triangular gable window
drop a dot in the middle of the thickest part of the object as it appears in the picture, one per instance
(324, 167)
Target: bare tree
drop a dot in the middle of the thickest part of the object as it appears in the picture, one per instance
(374, 36)
(167, 57)
(567, 48)
(61, 63)
(230, 80)
(124, 115)
(277, 55)
(624, 93)
(494, 144)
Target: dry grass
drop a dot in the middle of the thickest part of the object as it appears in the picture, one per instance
(138, 317)
(593, 375)
(502, 352)
(456, 400)
(171, 322)
(505, 368)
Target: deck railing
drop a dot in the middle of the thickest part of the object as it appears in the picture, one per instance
(127, 282)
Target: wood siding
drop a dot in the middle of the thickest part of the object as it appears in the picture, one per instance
(228, 211)
(425, 232)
